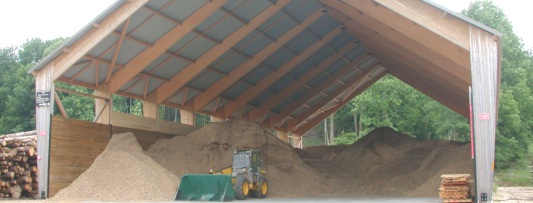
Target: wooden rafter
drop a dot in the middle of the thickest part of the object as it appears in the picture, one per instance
(391, 26)
(317, 90)
(222, 84)
(308, 112)
(166, 90)
(298, 83)
(392, 49)
(147, 56)
(264, 83)
(117, 50)
(451, 28)
(64, 61)
(313, 122)
(396, 58)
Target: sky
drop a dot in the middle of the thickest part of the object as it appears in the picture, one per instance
(48, 19)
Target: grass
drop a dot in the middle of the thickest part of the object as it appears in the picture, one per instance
(313, 141)
(518, 175)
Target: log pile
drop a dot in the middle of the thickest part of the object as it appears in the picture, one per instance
(455, 188)
(18, 165)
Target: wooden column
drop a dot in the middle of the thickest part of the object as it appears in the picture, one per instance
(102, 108)
(150, 109)
(297, 141)
(44, 109)
(485, 64)
(216, 119)
(283, 136)
(187, 117)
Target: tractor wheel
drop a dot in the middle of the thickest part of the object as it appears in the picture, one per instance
(242, 188)
(262, 189)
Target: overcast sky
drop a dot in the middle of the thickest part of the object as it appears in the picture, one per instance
(48, 19)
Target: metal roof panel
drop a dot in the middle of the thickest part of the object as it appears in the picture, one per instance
(153, 29)
(181, 9)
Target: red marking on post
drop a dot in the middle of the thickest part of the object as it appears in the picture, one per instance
(484, 116)
(471, 134)
(42, 133)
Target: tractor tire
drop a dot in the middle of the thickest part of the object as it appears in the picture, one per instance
(242, 188)
(262, 189)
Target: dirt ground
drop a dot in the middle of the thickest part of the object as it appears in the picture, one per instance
(514, 194)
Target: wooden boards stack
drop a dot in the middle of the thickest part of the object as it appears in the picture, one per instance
(455, 188)
(18, 165)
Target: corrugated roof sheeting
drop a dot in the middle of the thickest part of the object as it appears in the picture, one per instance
(156, 18)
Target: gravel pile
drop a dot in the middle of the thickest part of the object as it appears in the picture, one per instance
(122, 173)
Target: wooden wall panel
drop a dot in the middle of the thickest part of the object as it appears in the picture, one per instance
(73, 148)
(149, 124)
(75, 145)
(144, 137)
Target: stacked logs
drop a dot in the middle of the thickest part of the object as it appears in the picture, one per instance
(18, 165)
(455, 188)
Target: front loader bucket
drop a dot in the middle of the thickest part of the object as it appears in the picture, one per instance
(205, 187)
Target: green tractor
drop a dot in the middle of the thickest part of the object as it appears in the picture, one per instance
(244, 178)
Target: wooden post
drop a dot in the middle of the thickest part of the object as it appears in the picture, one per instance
(485, 63)
(283, 136)
(44, 87)
(150, 109)
(187, 117)
(102, 108)
(216, 119)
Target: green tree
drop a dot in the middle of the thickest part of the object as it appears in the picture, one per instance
(515, 121)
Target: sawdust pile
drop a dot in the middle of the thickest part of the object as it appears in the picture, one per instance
(384, 163)
(387, 163)
(122, 173)
(287, 174)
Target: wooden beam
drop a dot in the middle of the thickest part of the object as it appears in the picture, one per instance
(222, 84)
(64, 61)
(316, 120)
(271, 102)
(148, 55)
(431, 18)
(318, 88)
(421, 43)
(168, 89)
(397, 58)
(316, 107)
(391, 49)
(60, 105)
(264, 83)
(117, 50)
(80, 93)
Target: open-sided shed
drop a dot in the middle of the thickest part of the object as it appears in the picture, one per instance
(285, 64)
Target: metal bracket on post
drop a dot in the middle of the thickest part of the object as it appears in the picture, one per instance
(484, 197)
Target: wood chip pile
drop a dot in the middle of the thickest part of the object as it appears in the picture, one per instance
(455, 188)
(122, 173)
(383, 163)
(18, 165)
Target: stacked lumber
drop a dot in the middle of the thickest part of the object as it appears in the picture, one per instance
(18, 165)
(455, 188)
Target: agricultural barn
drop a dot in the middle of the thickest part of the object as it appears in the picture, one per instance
(284, 64)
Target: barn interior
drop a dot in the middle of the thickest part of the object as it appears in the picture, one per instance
(284, 65)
